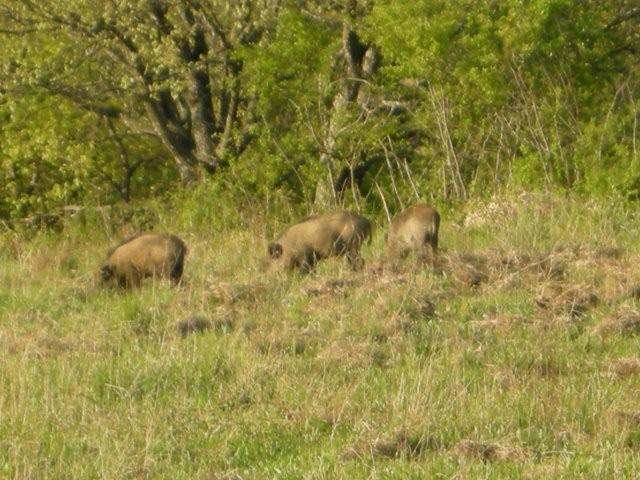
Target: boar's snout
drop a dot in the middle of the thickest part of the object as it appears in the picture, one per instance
(275, 250)
(106, 273)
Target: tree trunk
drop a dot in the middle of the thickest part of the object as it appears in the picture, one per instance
(181, 153)
(361, 62)
(202, 119)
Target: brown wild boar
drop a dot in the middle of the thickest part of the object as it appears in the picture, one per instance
(413, 229)
(144, 255)
(307, 242)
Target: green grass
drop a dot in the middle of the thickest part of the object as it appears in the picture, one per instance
(335, 374)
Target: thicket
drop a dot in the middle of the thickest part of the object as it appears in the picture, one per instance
(363, 104)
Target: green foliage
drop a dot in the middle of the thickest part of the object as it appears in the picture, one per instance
(111, 101)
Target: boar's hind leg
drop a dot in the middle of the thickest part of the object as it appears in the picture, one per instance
(433, 241)
(308, 261)
(176, 272)
(429, 250)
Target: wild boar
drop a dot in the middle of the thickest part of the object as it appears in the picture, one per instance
(413, 229)
(144, 255)
(307, 242)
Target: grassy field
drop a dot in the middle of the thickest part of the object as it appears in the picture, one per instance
(516, 356)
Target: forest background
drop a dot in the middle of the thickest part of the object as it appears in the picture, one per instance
(358, 104)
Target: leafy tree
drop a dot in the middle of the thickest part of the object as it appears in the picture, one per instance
(167, 69)
(359, 103)
(504, 90)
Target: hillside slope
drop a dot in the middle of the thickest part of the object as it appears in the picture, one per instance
(515, 356)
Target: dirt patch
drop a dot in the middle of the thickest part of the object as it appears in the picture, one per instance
(628, 418)
(492, 452)
(624, 323)
(624, 367)
(222, 321)
(230, 294)
(513, 260)
(505, 269)
(510, 269)
(419, 308)
(193, 324)
(552, 268)
(610, 253)
(547, 266)
(570, 301)
(330, 287)
(401, 318)
(468, 270)
(403, 445)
